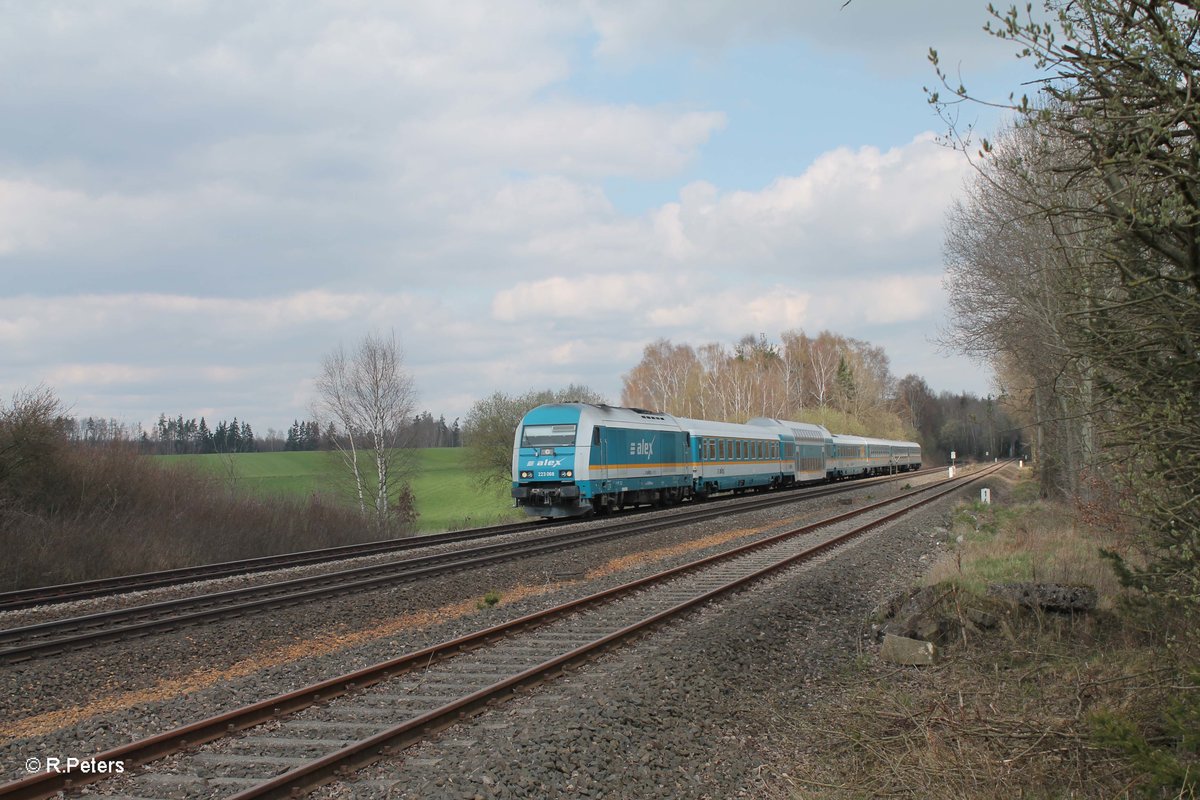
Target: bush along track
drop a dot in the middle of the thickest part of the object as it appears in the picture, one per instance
(1051, 679)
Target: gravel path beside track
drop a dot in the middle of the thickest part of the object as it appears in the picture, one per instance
(145, 689)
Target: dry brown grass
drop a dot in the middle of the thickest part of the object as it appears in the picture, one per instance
(1010, 711)
(1016, 540)
(1005, 717)
(79, 512)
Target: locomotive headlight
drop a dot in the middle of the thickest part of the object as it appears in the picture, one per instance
(525, 474)
(566, 473)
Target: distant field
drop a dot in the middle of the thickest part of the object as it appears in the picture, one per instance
(446, 493)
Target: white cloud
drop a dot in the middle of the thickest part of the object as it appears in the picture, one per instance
(732, 313)
(198, 200)
(89, 317)
(897, 298)
(571, 138)
(850, 208)
(579, 297)
(877, 30)
(71, 376)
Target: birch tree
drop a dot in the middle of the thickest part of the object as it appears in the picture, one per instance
(366, 397)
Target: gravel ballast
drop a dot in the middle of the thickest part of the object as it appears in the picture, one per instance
(103, 671)
(681, 713)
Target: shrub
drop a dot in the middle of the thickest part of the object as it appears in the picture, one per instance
(72, 512)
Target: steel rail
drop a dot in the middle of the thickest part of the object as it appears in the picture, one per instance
(72, 633)
(104, 587)
(385, 743)
(114, 625)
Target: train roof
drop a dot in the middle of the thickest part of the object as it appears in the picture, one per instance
(733, 430)
(801, 430)
(595, 414)
(846, 438)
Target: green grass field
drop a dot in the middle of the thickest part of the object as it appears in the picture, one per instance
(447, 493)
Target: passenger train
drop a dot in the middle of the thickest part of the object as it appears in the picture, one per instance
(572, 459)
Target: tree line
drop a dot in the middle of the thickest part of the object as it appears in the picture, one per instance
(188, 436)
(1074, 267)
(843, 383)
(180, 436)
(78, 502)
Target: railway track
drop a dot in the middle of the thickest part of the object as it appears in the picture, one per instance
(106, 587)
(290, 743)
(72, 633)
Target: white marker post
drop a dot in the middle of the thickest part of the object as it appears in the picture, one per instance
(985, 496)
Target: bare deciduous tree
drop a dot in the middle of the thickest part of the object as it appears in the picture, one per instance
(366, 397)
(1117, 272)
(757, 377)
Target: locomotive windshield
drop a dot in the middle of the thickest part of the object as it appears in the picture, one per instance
(548, 436)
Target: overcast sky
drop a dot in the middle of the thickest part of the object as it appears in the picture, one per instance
(200, 198)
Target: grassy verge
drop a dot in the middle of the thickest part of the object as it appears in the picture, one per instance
(446, 491)
(1103, 704)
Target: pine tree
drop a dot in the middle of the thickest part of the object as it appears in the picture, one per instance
(205, 436)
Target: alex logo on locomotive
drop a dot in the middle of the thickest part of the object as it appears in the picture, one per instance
(642, 448)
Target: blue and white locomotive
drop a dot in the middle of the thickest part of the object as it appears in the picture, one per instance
(571, 459)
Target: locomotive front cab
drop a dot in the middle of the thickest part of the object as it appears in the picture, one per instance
(544, 463)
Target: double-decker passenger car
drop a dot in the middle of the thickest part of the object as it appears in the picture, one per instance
(730, 457)
(805, 453)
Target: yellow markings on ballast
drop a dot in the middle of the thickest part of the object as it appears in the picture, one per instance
(671, 551)
(323, 644)
(203, 678)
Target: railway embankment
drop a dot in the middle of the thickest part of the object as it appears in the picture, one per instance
(1049, 679)
(776, 690)
(88, 700)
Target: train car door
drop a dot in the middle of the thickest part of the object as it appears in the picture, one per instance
(599, 460)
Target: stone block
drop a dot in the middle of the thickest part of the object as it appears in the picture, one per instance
(902, 650)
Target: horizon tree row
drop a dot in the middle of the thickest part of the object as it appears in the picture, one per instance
(833, 380)
(188, 436)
